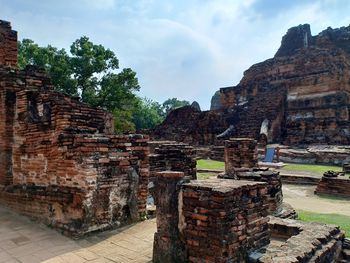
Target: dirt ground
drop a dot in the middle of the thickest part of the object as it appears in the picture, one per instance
(302, 197)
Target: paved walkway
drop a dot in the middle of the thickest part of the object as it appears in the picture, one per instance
(302, 197)
(22, 240)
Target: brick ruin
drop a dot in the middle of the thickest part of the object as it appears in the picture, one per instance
(169, 156)
(240, 153)
(298, 97)
(8, 47)
(59, 159)
(333, 184)
(172, 156)
(295, 241)
(221, 220)
(61, 164)
(208, 220)
(241, 161)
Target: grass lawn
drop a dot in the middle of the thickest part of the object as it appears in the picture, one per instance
(314, 168)
(210, 164)
(336, 219)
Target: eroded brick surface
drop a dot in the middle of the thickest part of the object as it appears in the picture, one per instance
(224, 219)
(8, 44)
(60, 161)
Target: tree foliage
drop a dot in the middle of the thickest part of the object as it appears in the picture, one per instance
(89, 71)
(55, 61)
(148, 114)
(92, 72)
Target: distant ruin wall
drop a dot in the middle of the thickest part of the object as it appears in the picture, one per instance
(303, 93)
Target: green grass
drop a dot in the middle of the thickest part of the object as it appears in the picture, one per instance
(336, 219)
(210, 164)
(311, 168)
(320, 169)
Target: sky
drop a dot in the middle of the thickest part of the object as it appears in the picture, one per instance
(186, 49)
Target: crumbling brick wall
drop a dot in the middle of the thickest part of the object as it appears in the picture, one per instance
(60, 161)
(168, 243)
(8, 44)
(240, 152)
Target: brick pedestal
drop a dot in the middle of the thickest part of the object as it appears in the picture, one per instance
(168, 246)
(224, 219)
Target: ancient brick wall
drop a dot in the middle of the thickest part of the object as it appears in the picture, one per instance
(274, 186)
(8, 44)
(73, 175)
(189, 125)
(61, 163)
(225, 221)
(7, 112)
(209, 220)
(61, 167)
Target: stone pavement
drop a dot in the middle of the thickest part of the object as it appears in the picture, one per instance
(22, 240)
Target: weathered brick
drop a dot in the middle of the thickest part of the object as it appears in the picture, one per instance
(59, 159)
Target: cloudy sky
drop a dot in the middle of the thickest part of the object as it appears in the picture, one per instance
(181, 48)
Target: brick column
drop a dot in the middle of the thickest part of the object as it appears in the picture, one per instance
(168, 246)
(8, 44)
(224, 220)
(240, 152)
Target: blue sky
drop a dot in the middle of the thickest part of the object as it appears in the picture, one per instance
(182, 48)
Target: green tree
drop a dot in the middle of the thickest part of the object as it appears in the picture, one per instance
(174, 103)
(55, 61)
(90, 71)
(90, 63)
(147, 114)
